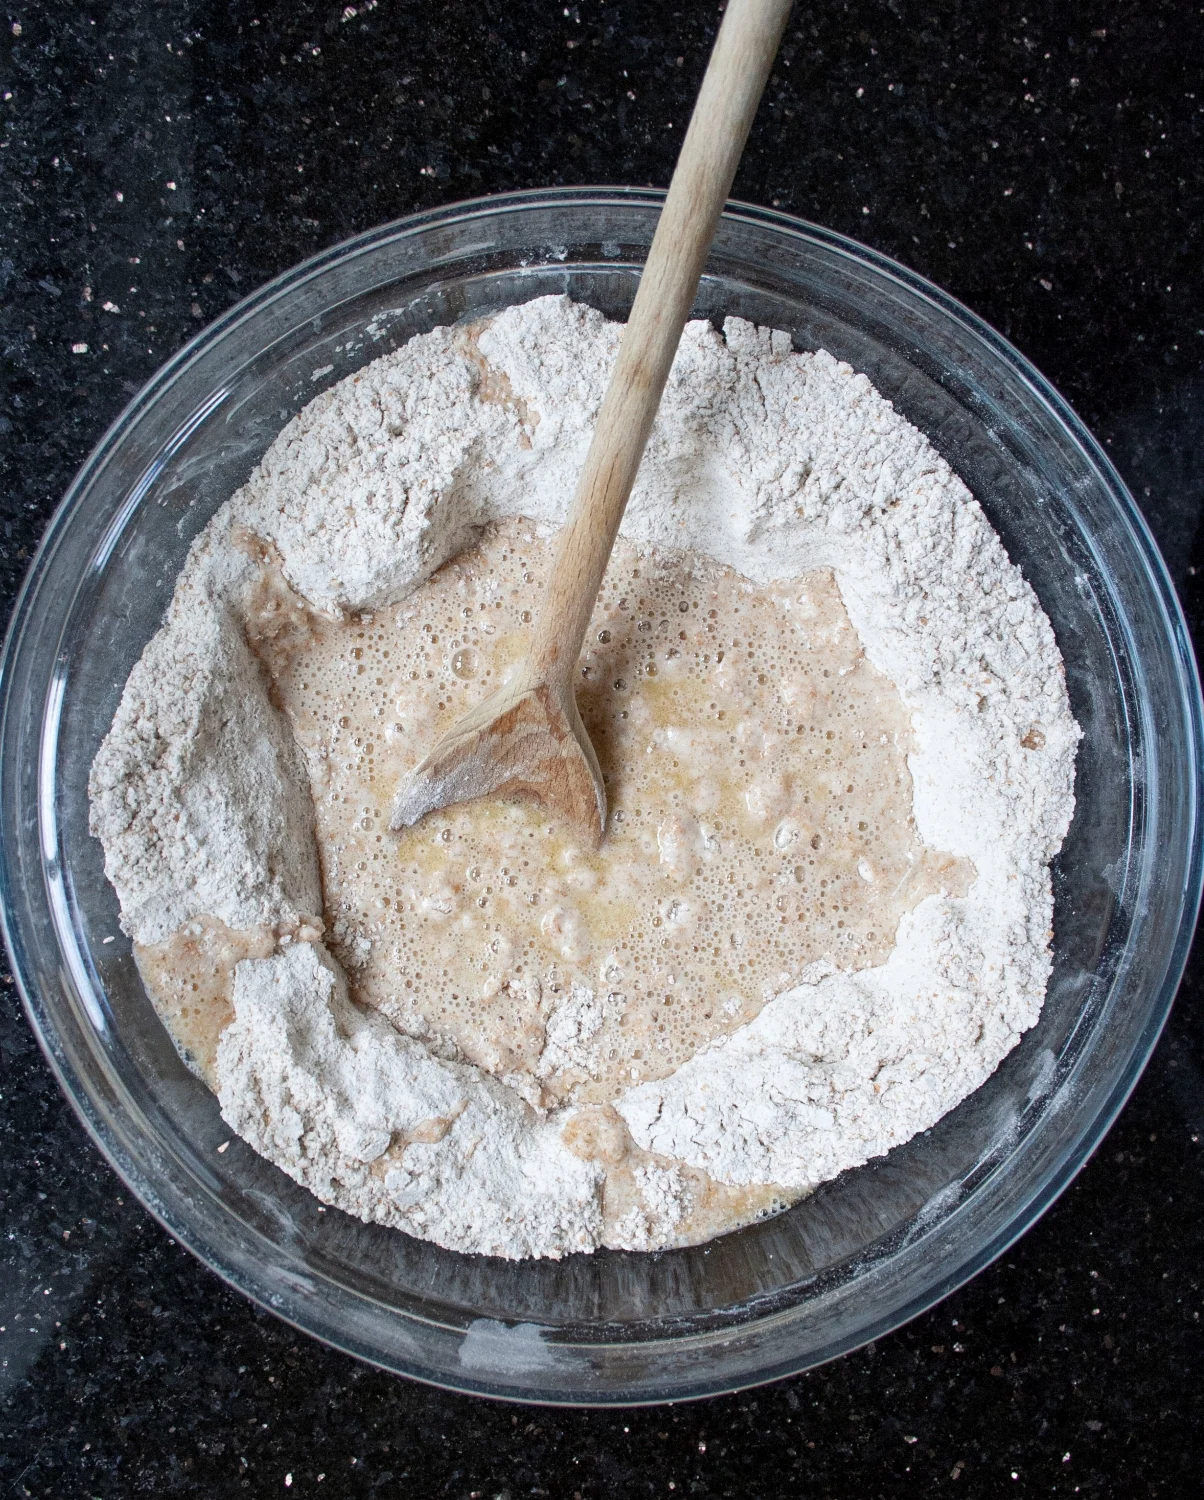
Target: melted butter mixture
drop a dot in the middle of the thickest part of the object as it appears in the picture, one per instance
(190, 978)
(760, 812)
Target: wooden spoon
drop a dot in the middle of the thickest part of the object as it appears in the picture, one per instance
(526, 739)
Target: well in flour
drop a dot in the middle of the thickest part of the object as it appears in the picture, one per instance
(822, 913)
(760, 812)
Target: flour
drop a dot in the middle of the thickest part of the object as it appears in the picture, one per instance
(571, 1030)
(365, 1118)
(652, 1222)
(198, 792)
(767, 461)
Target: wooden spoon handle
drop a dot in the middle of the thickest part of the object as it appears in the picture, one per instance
(727, 101)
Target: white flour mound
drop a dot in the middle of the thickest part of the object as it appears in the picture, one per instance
(325, 1089)
(771, 462)
(199, 793)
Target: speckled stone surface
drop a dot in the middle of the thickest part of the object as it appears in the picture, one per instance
(1045, 163)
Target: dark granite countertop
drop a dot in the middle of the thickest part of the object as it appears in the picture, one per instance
(1045, 163)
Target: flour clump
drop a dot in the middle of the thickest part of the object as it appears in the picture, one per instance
(840, 757)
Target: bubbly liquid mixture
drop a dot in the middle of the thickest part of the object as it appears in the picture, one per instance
(190, 978)
(760, 812)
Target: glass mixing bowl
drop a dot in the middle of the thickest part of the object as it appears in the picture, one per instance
(865, 1252)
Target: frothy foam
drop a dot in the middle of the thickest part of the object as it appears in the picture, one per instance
(760, 812)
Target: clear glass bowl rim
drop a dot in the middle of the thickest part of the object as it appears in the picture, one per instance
(93, 1112)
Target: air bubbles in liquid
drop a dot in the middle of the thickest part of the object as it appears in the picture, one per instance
(432, 920)
(466, 663)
